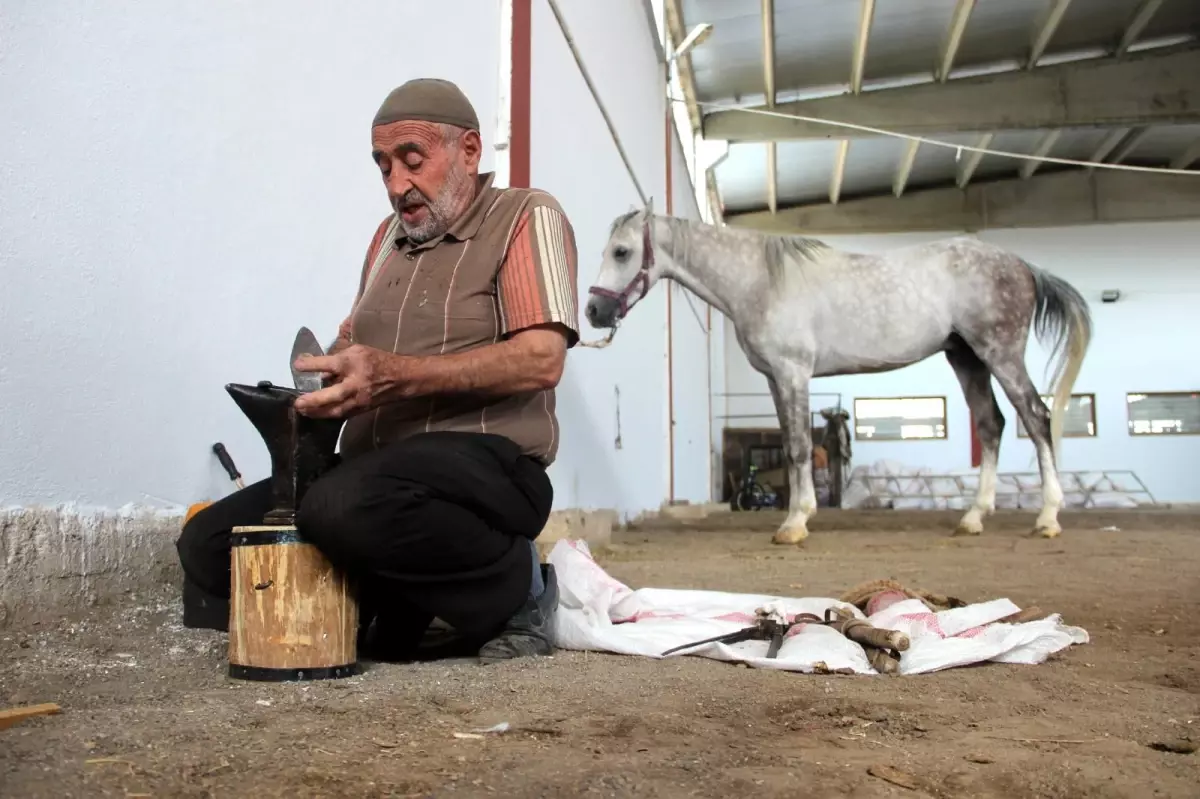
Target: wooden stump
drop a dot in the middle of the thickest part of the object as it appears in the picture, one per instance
(292, 615)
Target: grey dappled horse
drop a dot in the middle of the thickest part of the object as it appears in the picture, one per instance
(802, 309)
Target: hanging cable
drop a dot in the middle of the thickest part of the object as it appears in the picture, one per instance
(587, 78)
(937, 143)
(612, 131)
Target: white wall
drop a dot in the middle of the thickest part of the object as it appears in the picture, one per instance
(690, 359)
(181, 188)
(1138, 344)
(574, 158)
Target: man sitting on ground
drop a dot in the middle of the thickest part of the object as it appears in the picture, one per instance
(445, 370)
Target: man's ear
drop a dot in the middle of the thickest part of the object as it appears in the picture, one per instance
(472, 145)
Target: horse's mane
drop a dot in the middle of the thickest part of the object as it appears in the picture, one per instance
(780, 251)
(621, 220)
(799, 246)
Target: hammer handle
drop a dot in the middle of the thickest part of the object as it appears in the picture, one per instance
(227, 463)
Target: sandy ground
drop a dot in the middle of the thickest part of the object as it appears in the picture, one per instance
(148, 710)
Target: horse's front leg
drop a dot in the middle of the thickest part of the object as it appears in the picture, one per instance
(781, 413)
(792, 402)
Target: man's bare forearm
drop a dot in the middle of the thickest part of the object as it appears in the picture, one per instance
(364, 377)
(532, 361)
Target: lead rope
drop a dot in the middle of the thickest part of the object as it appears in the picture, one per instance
(602, 343)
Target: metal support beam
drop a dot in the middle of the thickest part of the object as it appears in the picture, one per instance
(970, 161)
(839, 171)
(954, 35)
(1129, 144)
(768, 30)
(676, 33)
(857, 68)
(1049, 199)
(1149, 87)
(904, 169)
(1043, 148)
(1187, 157)
(1108, 144)
(1137, 23)
(859, 61)
(714, 195)
(1045, 32)
(773, 175)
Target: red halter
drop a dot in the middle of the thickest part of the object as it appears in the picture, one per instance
(642, 277)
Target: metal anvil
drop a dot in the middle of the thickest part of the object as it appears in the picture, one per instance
(301, 448)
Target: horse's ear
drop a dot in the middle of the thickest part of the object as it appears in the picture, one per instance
(649, 207)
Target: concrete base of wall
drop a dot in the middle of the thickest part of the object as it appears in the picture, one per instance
(688, 511)
(683, 511)
(594, 527)
(58, 561)
(55, 562)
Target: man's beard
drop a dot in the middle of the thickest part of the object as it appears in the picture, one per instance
(443, 209)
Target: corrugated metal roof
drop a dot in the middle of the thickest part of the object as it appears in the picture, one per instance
(814, 44)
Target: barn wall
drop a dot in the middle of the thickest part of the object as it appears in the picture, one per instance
(690, 361)
(183, 188)
(1153, 264)
(615, 450)
(180, 190)
(719, 335)
(175, 118)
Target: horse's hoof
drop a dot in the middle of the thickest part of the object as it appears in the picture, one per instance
(1046, 532)
(791, 535)
(966, 530)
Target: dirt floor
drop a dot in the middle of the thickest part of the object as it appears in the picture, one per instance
(148, 711)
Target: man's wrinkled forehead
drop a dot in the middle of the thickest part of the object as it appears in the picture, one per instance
(406, 136)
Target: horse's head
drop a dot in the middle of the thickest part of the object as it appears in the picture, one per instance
(627, 271)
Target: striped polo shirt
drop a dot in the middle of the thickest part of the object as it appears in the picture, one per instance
(509, 262)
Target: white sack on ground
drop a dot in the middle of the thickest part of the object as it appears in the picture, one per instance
(598, 613)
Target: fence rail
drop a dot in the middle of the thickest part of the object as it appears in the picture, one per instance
(814, 415)
(893, 490)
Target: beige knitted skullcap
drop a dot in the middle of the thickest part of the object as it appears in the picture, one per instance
(430, 100)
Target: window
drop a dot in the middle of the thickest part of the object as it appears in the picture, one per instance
(1078, 422)
(1167, 413)
(900, 418)
(766, 458)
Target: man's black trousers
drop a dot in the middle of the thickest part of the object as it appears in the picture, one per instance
(437, 525)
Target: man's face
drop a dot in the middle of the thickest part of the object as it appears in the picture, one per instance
(430, 180)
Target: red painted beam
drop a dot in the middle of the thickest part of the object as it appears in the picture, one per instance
(670, 153)
(522, 72)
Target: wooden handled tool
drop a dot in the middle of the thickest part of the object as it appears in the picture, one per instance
(883, 647)
(227, 463)
(863, 632)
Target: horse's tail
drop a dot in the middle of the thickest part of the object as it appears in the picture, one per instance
(1061, 316)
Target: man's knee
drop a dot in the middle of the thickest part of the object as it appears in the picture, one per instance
(204, 554)
(332, 515)
(203, 543)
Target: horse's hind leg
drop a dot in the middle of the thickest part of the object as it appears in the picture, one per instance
(1010, 372)
(976, 381)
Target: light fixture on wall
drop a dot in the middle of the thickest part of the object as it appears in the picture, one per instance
(1110, 295)
(695, 37)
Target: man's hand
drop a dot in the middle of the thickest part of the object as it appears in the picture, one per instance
(362, 379)
(365, 378)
